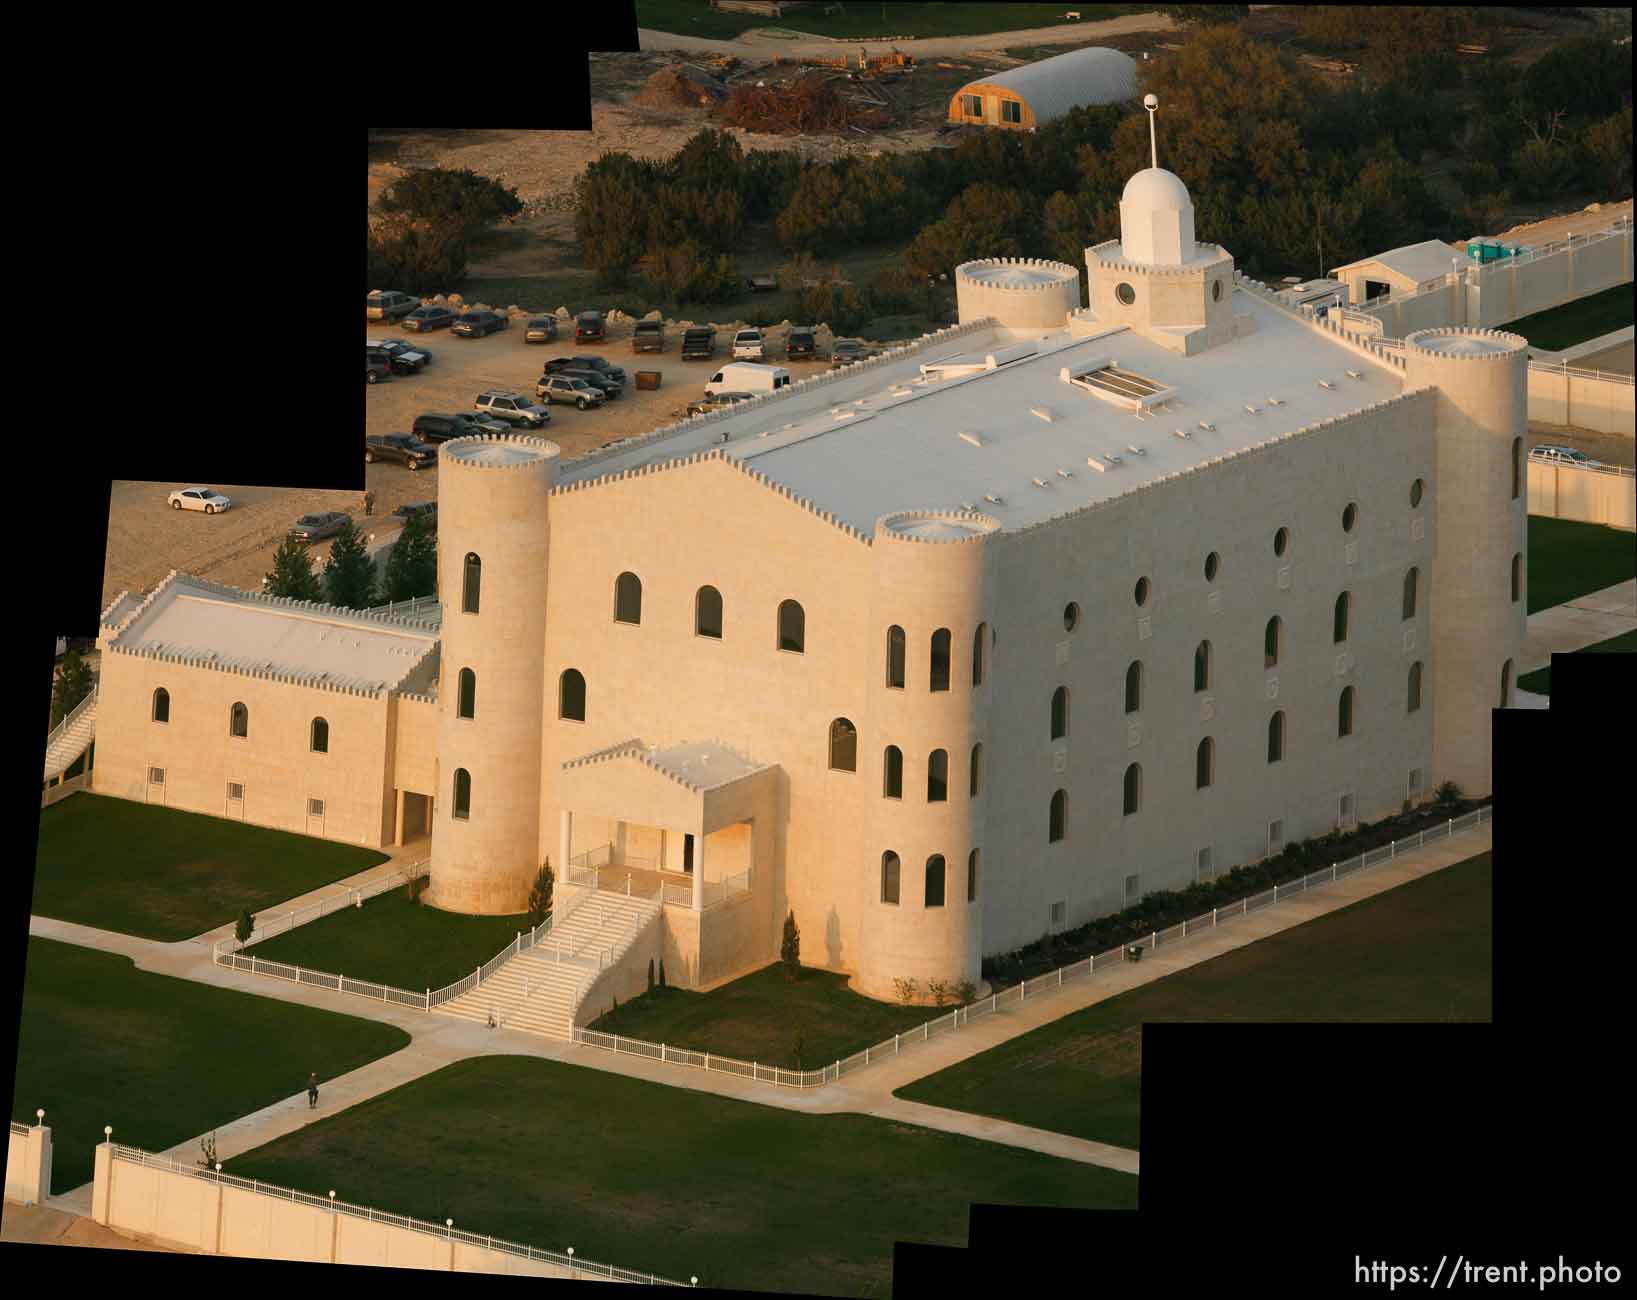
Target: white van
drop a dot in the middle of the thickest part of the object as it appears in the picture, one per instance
(748, 377)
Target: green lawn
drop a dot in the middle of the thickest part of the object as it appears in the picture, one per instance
(1575, 322)
(393, 941)
(858, 19)
(676, 1182)
(1569, 559)
(159, 873)
(1540, 681)
(755, 1018)
(1420, 952)
(162, 1059)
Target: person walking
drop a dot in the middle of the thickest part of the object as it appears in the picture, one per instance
(312, 1091)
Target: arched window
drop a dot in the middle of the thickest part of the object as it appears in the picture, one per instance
(792, 627)
(1213, 562)
(320, 738)
(1071, 616)
(1410, 580)
(1205, 764)
(1416, 489)
(707, 613)
(889, 877)
(892, 773)
(1133, 789)
(161, 705)
(937, 776)
(895, 657)
(1202, 666)
(843, 746)
(940, 660)
(1271, 636)
(1276, 737)
(975, 786)
(1133, 686)
(466, 700)
(972, 876)
(1349, 517)
(1281, 542)
(628, 598)
(935, 880)
(1506, 683)
(1517, 577)
(1344, 712)
(471, 584)
(1343, 603)
(1140, 592)
(238, 721)
(1517, 468)
(1414, 702)
(463, 794)
(977, 655)
(1060, 713)
(571, 695)
(1057, 819)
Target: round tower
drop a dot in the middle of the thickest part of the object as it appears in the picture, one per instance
(493, 533)
(1481, 514)
(1026, 295)
(934, 573)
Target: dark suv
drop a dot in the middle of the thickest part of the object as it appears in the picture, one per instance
(475, 324)
(803, 344)
(589, 327)
(435, 427)
(649, 336)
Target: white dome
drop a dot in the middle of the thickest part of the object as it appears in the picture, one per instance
(1156, 189)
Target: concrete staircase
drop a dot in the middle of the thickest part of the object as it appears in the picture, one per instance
(72, 737)
(541, 989)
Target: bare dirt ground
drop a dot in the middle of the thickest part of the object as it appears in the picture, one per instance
(41, 1225)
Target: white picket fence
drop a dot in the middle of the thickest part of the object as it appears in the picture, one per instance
(271, 923)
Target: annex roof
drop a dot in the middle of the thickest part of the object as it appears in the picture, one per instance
(1025, 433)
(220, 627)
(1427, 260)
(1053, 86)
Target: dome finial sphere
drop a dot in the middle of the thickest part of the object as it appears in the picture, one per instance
(1150, 101)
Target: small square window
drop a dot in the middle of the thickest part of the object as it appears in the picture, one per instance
(315, 807)
(1276, 837)
(156, 776)
(1202, 861)
(1059, 914)
(1133, 888)
(1011, 110)
(1344, 810)
(235, 792)
(1415, 784)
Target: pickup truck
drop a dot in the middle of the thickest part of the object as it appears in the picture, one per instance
(747, 345)
(803, 344)
(616, 373)
(399, 447)
(649, 336)
(698, 344)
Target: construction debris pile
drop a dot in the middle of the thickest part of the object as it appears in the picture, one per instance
(680, 86)
(812, 102)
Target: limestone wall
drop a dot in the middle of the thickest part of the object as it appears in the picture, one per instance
(1592, 497)
(28, 1164)
(1582, 398)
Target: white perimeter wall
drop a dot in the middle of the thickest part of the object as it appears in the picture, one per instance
(1564, 492)
(28, 1166)
(1585, 399)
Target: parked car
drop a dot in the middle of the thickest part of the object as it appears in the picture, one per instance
(399, 447)
(1551, 451)
(761, 283)
(423, 319)
(649, 336)
(611, 388)
(715, 402)
(388, 304)
(542, 329)
(589, 327)
(747, 346)
(843, 352)
(311, 528)
(698, 344)
(376, 369)
(403, 358)
(475, 324)
(200, 498)
(434, 427)
(803, 343)
(569, 388)
(616, 373)
(513, 408)
(427, 510)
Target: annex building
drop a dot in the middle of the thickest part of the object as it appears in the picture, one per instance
(978, 639)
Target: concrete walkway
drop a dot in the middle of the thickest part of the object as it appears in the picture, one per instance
(440, 1041)
(1578, 623)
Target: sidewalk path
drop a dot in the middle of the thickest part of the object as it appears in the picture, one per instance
(441, 1040)
(1578, 623)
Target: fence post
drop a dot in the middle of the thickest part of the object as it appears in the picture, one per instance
(1213, 918)
(1332, 873)
(1451, 834)
(895, 1044)
(1392, 850)
(994, 1002)
(1276, 892)
(429, 997)
(1059, 977)
(479, 983)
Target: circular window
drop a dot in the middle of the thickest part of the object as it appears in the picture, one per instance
(1125, 293)
(1216, 291)
(1415, 493)
(1281, 541)
(1211, 565)
(1141, 592)
(1071, 616)
(1349, 517)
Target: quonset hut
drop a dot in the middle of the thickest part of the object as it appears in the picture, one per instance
(1024, 98)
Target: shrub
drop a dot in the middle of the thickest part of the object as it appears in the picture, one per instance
(790, 948)
(246, 926)
(662, 972)
(798, 1046)
(540, 897)
(1447, 796)
(650, 974)
(965, 991)
(417, 887)
(907, 990)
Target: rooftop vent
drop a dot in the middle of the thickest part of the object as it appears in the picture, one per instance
(1102, 466)
(1276, 401)
(1253, 409)
(1355, 374)
(1207, 426)
(1182, 433)
(1325, 383)
(1123, 388)
(1065, 473)
(968, 436)
(994, 499)
(1044, 413)
(1040, 482)
(1136, 450)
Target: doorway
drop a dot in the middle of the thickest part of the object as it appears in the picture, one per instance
(687, 853)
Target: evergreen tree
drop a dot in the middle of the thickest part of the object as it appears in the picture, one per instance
(349, 581)
(245, 927)
(540, 899)
(292, 573)
(662, 972)
(412, 564)
(73, 684)
(650, 974)
(790, 948)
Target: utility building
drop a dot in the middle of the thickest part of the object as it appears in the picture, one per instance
(1036, 93)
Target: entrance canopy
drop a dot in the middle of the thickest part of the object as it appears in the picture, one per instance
(695, 786)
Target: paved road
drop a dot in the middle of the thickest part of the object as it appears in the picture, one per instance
(1578, 623)
(756, 45)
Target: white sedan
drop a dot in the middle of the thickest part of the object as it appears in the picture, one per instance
(199, 498)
